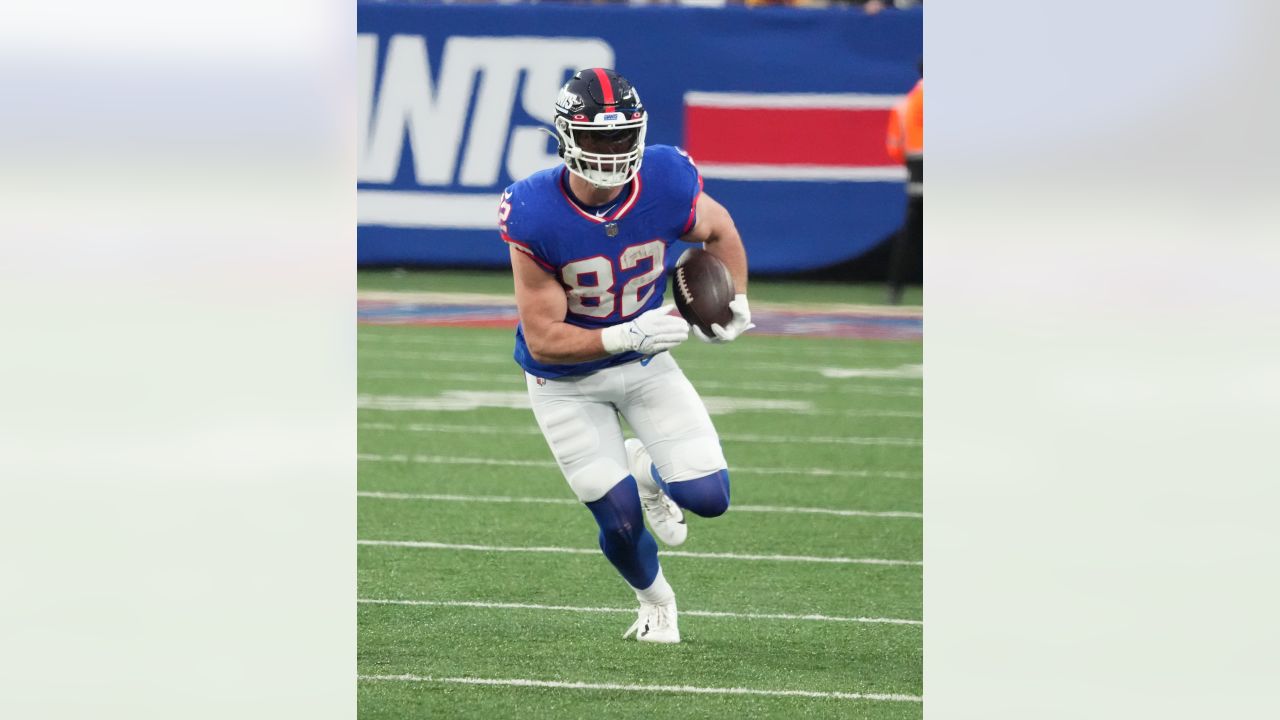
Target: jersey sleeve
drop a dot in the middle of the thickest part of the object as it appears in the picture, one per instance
(517, 230)
(688, 185)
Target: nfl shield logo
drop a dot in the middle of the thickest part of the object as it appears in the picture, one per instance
(542, 381)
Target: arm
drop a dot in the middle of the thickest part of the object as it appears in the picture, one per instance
(715, 229)
(543, 305)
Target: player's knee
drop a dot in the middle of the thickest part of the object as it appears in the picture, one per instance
(593, 479)
(705, 496)
(619, 515)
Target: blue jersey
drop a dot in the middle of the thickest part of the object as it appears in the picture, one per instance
(610, 260)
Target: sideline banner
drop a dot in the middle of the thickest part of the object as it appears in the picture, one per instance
(783, 110)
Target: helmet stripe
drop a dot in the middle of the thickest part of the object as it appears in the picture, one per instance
(607, 88)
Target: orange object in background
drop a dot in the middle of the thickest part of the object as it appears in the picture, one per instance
(905, 137)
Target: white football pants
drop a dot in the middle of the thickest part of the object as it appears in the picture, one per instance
(579, 418)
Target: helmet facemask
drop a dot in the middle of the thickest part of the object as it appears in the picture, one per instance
(606, 151)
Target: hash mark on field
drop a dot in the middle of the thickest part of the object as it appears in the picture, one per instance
(566, 501)
(429, 545)
(731, 437)
(521, 682)
(694, 613)
(816, 472)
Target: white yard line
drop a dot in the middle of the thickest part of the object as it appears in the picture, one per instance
(464, 400)
(631, 611)
(469, 358)
(687, 689)
(792, 352)
(417, 336)
(566, 501)
(515, 378)
(731, 437)
(429, 545)
(883, 382)
(374, 403)
(812, 471)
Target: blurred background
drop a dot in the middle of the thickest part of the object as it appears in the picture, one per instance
(787, 108)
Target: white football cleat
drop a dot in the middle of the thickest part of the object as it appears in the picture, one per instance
(656, 623)
(666, 519)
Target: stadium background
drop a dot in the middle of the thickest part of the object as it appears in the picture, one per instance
(481, 593)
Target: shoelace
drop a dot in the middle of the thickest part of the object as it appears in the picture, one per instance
(660, 617)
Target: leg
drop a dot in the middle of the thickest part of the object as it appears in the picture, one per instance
(623, 538)
(915, 227)
(582, 430)
(707, 496)
(673, 424)
(898, 260)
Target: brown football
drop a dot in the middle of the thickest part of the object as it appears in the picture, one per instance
(703, 289)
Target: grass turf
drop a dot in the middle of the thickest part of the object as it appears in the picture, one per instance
(571, 646)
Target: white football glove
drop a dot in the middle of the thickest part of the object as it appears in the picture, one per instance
(651, 333)
(740, 323)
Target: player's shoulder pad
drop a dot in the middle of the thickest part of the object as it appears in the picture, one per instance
(669, 158)
(674, 169)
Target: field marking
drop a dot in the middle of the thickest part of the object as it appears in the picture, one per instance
(444, 357)
(507, 360)
(902, 372)
(630, 611)
(690, 367)
(380, 495)
(517, 380)
(815, 472)
(430, 545)
(507, 343)
(688, 689)
(731, 437)
(401, 403)
(463, 400)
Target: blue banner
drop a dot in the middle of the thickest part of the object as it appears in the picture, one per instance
(783, 110)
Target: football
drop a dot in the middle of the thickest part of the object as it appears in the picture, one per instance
(703, 289)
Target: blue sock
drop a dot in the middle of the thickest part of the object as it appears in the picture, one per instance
(706, 496)
(623, 536)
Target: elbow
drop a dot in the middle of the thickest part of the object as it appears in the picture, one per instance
(538, 349)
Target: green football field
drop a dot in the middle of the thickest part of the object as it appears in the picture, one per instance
(482, 592)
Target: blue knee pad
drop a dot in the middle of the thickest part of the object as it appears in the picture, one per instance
(623, 537)
(706, 496)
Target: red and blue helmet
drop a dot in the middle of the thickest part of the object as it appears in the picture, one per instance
(600, 124)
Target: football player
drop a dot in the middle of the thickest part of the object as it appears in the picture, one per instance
(589, 242)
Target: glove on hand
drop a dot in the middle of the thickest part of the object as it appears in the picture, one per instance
(651, 333)
(740, 323)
